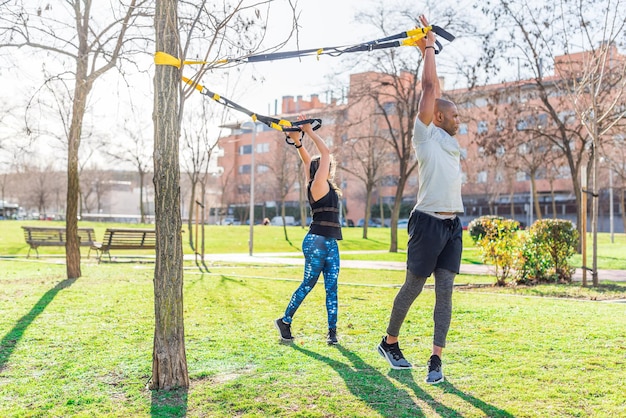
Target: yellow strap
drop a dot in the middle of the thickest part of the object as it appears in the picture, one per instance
(276, 126)
(163, 58)
(284, 122)
(197, 86)
(418, 31)
(412, 41)
(254, 118)
(319, 52)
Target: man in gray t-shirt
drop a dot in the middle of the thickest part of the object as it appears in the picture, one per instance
(435, 232)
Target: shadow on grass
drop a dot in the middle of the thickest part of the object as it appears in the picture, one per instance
(375, 389)
(408, 380)
(169, 403)
(10, 340)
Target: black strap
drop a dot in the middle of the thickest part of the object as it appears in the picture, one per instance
(381, 43)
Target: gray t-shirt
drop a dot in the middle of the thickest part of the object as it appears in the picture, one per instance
(439, 166)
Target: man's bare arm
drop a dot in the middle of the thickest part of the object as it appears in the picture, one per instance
(430, 82)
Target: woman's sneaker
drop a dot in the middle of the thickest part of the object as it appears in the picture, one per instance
(284, 330)
(435, 373)
(331, 339)
(393, 354)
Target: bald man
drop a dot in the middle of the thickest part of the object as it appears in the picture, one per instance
(435, 232)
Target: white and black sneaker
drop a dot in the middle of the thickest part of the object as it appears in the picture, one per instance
(435, 373)
(284, 330)
(393, 354)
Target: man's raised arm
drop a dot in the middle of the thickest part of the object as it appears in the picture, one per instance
(430, 82)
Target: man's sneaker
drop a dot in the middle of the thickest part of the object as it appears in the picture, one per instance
(331, 339)
(393, 354)
(284, 330)
(435, 374)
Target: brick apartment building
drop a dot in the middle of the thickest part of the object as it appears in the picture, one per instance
(507, 166)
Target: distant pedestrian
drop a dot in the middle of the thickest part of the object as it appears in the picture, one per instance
(435, 232)
(321, 252)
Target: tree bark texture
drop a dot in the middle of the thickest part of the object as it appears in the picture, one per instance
(169, 362)
(81, 91)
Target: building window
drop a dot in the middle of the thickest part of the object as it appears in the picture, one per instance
(500, 125)
(500, 151)
(521, 176)
(463, 152)
(463, 129)
(564, 172)
(483, 127)
(389, 108)
(262, 148)
(463, 178)
(522, 149)
(389, 181)
(499, 177)
(481, 177)
(245, 149)
(244, 169)
(262, 168)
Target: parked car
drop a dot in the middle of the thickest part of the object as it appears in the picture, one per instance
(403, 223)
(278, 221)
(372, 223)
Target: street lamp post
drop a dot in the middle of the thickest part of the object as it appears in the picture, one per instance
(251, 126)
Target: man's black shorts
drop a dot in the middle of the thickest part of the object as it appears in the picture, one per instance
(433, 243)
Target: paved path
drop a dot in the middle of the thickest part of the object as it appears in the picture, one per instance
(296, 259)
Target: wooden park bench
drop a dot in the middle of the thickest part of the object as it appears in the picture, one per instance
(55, 236)
(125, 239)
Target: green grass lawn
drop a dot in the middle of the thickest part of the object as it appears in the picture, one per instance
(234, 239)
(83, 348)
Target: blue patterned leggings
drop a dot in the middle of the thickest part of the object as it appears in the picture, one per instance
(321, 254)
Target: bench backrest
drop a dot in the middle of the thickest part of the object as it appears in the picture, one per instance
(130, 238)
(42, 235)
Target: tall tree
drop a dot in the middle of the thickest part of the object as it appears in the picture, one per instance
(197, 149)
(530, 35)
(214, 34)
(367, 158)
(94, 44)
(169, 361)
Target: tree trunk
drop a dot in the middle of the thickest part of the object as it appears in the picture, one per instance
(395, 214)
(622, 207)
(169, 362)
(368, 210)
(535, 197)
(81, 90)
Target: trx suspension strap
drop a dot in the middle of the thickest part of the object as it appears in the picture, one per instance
(406, 38)
(282, 125)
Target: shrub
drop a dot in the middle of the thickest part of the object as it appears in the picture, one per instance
(556, 240)
(478, 226)
(497, 244)
(532, 263)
